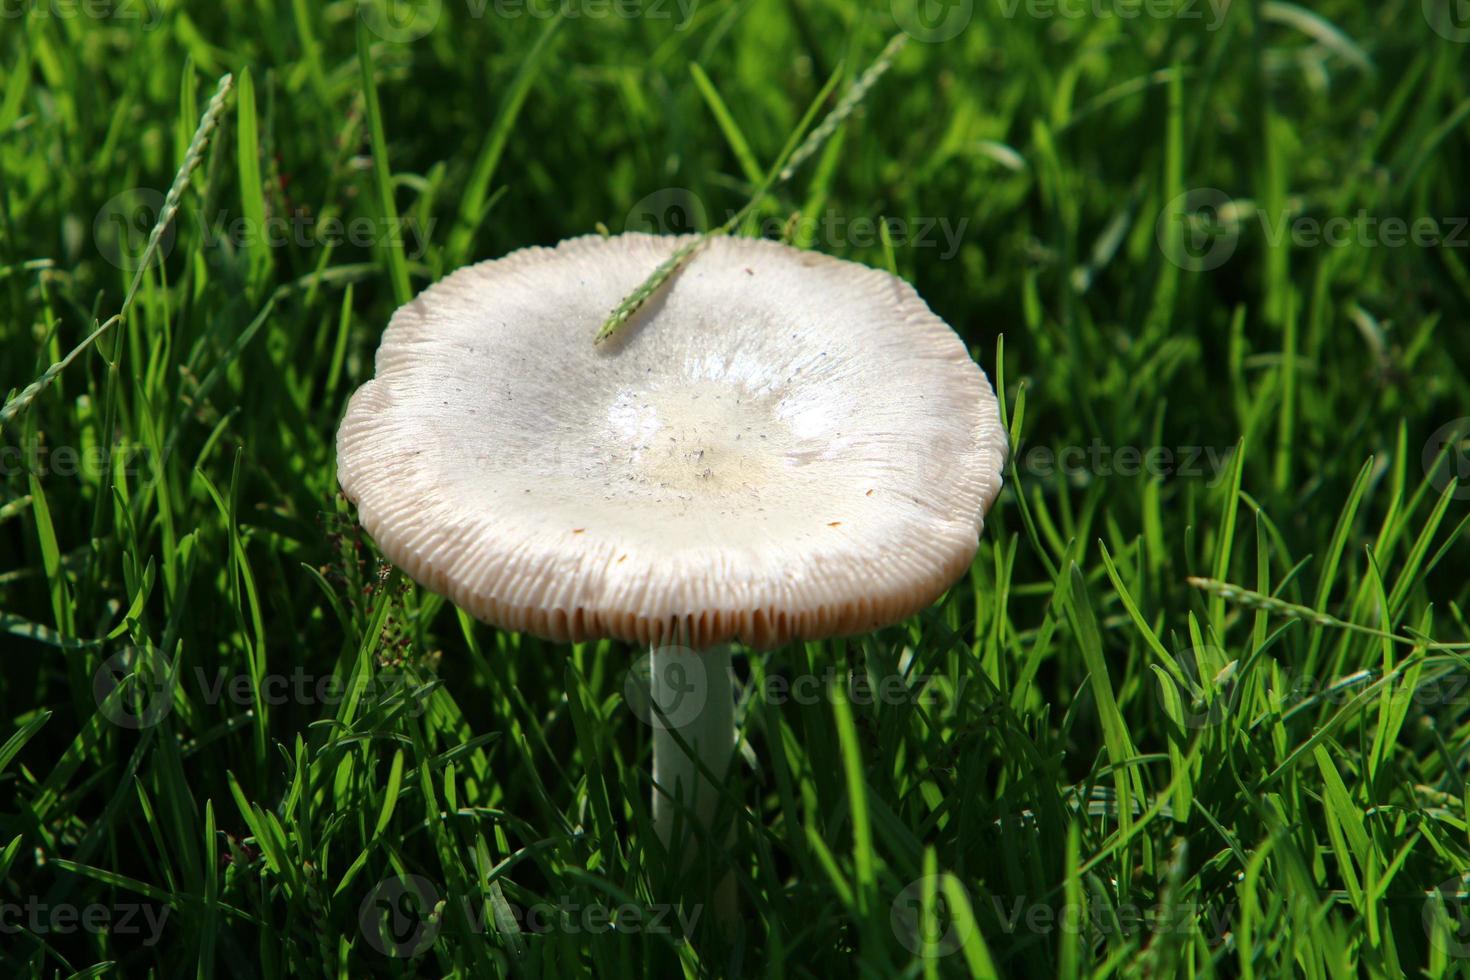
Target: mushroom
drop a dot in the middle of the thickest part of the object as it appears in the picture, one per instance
(780, 445)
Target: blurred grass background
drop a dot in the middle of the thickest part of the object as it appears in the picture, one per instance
(1126, 192)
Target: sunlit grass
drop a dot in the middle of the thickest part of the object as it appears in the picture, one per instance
(1199, 708)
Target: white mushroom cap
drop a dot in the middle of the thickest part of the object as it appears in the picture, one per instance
(780, 445)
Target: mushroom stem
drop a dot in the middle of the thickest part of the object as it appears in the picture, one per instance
(693, 690)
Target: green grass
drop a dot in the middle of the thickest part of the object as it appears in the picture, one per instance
(1116, 767)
